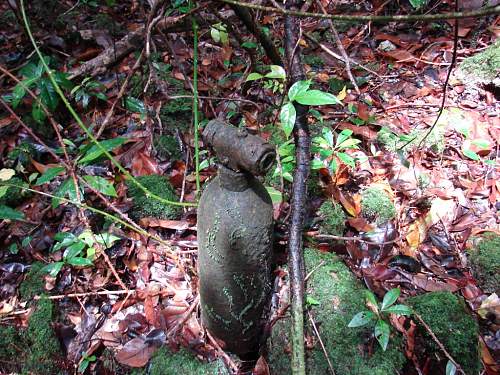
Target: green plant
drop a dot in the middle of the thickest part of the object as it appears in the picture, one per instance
(301, 93)
(376, 205)
(485, 262)
(88, 88)
(417, 4)
(144, 206)
(74, 247)
(378, 313)
(167, 147)
(34, 78)
(33, 284)
(218, 32)
(330, 151)
(274, 80)
(447, 317)
(334, 218)
(85, 362)
(286, 166)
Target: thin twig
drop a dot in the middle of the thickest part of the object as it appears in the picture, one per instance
(321, 343)
(229, 362)
(86, 294)
(187, 314)
(358, 239)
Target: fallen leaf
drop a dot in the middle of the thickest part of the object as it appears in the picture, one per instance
(135, 353)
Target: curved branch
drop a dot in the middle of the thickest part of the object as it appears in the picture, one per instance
(486, 11)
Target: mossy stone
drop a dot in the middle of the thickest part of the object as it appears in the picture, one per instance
(376, 205)
(339, 296)
(334, 218)
(145, 206)
(483, 67)
(164, 362)
(449, 320)
(485, 263)
(43, 345)
(33, 283)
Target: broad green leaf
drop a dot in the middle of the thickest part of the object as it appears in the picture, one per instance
(3, 190)
(316, 97)
(417, 4)
(390, 297)
(53, 268)
(105, 239)
(317, 164)
(346, 159)
(343, 136)
(298, 88)
(32, 70)
(371, 299)
(26, 241)
(62, 79)
(38, 113)
(325, 154)
(471, 154)
(451, 369)
(382, 333)
(101, 185)
(276, 196)
(215, 34)
(17, 95)
(6, 174)
(287, 148)
(48, 94)
(74, 250)
(95, 152)
(9, 213)
(349, 143)
(357, 121)
(13, 249)
(135, 105)
(64, 239)
(481, 143)
(287, 118)
(276, 72)
(361, 319)
(398, 310)
(249, 45)
(67, 189)
(254, 77)
(328, 135)
(49, 175)
(310, 301)
(79, 262)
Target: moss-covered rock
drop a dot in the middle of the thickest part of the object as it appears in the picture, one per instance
(334, 218)
(145, 206)
(9, 343)
(484, 67)
(376, 205)
(485, 263)
(164, 362)
(33, 283)
(43, 344)
(336, 297)
(167, 147)
(448, 319)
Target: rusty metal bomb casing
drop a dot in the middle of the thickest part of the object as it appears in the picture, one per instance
(235, 229)
(238, 150)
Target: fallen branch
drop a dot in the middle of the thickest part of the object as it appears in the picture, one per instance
(486, 11)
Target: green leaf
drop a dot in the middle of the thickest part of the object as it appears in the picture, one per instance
(254, 77)
(357, 121)
(361, 319)
(451, 369)
(298, 88)
(399, 310)
(13, 249)
(79, 262)
(276, 72)
(390, 297)
(276, 196)
(67, 189)
(48, 94)
(215, 34)
(328, 136)
(249, 45)
(382, 333)
(3, 190)
(64, 239)
(316, 97)
(370, 298)
(349, 143)
(343, 136)
(53, 268)
(101, 185)
(417, 4)
(38, 113)
(48, 175)
(26, 241)
(287, 118)
(135, 105)
(17, 95)
(317, 164)
(74, 250)
(9, 213)
(471, 154)
(94, 152)
(481, 143)
(310, 301)
(346, 159)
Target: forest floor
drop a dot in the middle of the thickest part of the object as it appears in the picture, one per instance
(96, 276)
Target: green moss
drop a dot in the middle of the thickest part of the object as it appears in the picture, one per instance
(167, 147)
(165, 362)
(340, 297)
(434, 141)
(146, 206)
(14, 195)
(483, 67)
(376, 205)
(314, 61)
(485, 263)
(33, 283)
(334, 218)
(448, 319)
(44, 346)
(9, 343)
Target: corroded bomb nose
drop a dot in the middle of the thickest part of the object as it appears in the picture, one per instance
(237, 149)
